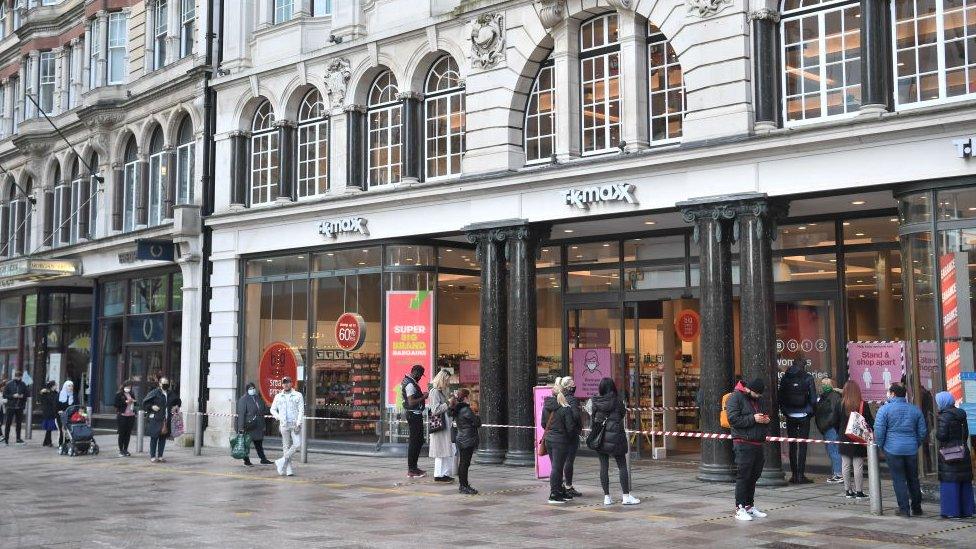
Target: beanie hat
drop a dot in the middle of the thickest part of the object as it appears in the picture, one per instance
(757, 385)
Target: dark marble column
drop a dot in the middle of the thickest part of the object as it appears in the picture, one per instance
(713, 233)
(756, 231)
(876, 78)
(239, 163)
(765, 45)
(522, 247)
(493, 379)
(356, 149)
(413, 136)
(286, 152)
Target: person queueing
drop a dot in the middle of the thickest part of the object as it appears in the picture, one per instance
(797, 397)
(900, 430)
(441, 447)
(467, 437)
(125, 415)
(569, 391)
(161, 403)
(749, 426)
(825, 416)
(15, 393)
(852, 456)
(3, 406)
(413, 408)
(250, 419)
(288, 407)
(65, 398)
(955, 465)
(560, 426)
(609, 411)
(49, 410)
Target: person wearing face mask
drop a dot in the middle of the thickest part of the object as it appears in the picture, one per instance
(65, 398)
(569, 389)
(15, 393)
(288, 407)
(49, 410)
(125, 413)
(467, 423)
(250, 418)
(750, 422)
(161, 403)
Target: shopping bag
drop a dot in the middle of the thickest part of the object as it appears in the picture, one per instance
(240, 445)
(857, 429)
(176, 427)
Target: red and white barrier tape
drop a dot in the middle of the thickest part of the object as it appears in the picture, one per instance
(662, 408)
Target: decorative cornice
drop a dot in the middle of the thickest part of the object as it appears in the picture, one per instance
(706, 8)
(622, 4)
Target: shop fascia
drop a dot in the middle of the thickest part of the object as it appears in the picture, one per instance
(27, 269)
(334, 228)
(585, 197)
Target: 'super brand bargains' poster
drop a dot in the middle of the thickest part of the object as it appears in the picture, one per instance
(409, 338)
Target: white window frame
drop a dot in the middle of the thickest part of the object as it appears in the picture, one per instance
(591, 55)
(116, 57)
(548, 66)
(58, 223)
(130, 188)
(321, 8)
(283, 11)
(17, 225)
(657, 38)
(94, 50)
(383, 108)
(157, 184)
(185, 155)
(188, 16)
(160, 29)
(313, 144)
(46, 70)
(4, 14)
(265, 164)
(76, 201)
(444, 104)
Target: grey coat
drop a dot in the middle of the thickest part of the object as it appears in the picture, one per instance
(440, 442)
(250, 416)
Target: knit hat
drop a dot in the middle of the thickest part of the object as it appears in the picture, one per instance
(757, 385)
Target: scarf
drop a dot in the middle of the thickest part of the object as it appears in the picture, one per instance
(67, 394)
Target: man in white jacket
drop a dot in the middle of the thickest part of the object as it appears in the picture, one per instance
(288, 408)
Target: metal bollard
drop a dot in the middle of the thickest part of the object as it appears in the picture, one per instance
(198, 434)
(874, 477)
(140, 430)
(306, 424)
(30, 419)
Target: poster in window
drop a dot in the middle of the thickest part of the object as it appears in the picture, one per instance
(409, 338)
(277, 361)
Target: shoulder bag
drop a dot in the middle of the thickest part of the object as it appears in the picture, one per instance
(952, 454)
(437, 423)
(598, 432)
(543, 451)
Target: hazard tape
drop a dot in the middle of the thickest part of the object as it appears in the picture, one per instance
(662, 408)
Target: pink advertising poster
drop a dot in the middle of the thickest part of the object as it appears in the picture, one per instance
(542, 464)
(470, 371)
(589, 367)
(875, 365)
(928, 362)
(409, 338)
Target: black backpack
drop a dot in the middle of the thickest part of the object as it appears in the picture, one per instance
(794, 393)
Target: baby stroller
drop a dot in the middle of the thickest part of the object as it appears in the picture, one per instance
(78, 436)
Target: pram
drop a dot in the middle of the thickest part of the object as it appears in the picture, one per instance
(79, 439)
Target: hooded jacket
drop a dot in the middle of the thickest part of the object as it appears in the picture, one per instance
(796, 373)
(611, 409)
(953, 430)
(564, 426)
(742, 409)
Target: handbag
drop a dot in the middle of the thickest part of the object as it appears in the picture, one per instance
(437, 423)
(594, 440)
(176, 425)
(951, 454)
(240, 445)
(857, 427)
(543, 451)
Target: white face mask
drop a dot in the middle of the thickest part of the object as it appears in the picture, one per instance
(128, 389)
(252, 391)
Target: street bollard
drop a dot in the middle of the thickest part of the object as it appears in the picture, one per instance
(198, 434)
(305, 427)
(30, 419)
(874, 477)
(140, 430)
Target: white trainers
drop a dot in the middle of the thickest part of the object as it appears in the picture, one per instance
(742, 514)
(289, 472)
(280, 465)
(607, 500)
(630, 500)
(756, 513)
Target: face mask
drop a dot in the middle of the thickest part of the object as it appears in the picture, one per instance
(165, 386)
(252, 391)
(571, 390)
(127, 390)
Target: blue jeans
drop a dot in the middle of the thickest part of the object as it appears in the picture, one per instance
(833, 451)
(904, 477)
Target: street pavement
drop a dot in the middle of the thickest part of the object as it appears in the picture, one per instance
(340, 501)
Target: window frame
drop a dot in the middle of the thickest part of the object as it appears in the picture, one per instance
(444, 98)
(309, 121)
(120, 44)
(548, 65)
(130, 187)
(188, 19)
(656, 37)
(76, 201)
(326, 12)
(46, 82)
(266, 137)
(607, 50)
(94, 49)
(281, 8)
(376, 105)
(61, 223)
(155, 212)
(185, 158)
(160, 31)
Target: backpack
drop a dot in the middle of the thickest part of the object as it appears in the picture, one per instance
(794, 393)
(723, 416)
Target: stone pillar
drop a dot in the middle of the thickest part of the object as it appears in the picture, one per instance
(756, 230)
(86, 67)
(713, 233)
(876, 77)
(522, 248)
(149, 47)
(173, 27)
(412, 137)
(102, 72)
(492, 404)
(565, 56)
(356, 149)
(765, 46)
(239, 163)
(634, 132)
(286, 155)
(31, 85)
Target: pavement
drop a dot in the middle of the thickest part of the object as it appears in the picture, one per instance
(342, 501)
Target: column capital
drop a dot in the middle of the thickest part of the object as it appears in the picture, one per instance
(765, 14)
(284, 123)
(354, 108)
(767, 214)
(409, 95)
(101, 15)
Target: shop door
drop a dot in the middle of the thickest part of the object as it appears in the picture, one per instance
(146, 365)
(594, 347)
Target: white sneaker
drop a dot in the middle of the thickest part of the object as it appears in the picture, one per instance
(607, 500)
(630, 500)
(742, 514)
(289, 472)
(756, 513)
(280, 465)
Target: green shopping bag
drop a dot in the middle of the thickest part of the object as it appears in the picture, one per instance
(240, 445)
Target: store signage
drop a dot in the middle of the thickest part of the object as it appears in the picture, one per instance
(590, 366)
(950, 324)
(155, 250)
(332, 228)
(277, 361)
(543, 465)
(687, 325)
(409, 338)
(612, 192)
(350, 331)
(27, 269)
(964, 147)
(875, 365)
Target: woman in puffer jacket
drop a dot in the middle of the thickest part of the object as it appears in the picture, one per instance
(609, 411)
(467, 441)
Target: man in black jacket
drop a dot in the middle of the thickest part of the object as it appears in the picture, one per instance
(15, 394)
(413, 408)
(797, 396)
(749, 424)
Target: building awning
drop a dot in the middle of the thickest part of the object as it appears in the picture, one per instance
(35, 270)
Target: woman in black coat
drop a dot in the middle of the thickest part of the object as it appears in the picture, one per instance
(125, 415)
(250, 418)
(956, 476)
(561, 427)
(49, 411)
(467, 439)
(608, 414)
(160, 405)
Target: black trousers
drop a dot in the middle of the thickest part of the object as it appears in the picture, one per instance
(12, 415)
(60, 430)
(259, 448)
(464, 463)
(621, 468)
(416, 424)
(558, 453)
(126, 423)
(798, 428)
(570, 461)
(156, 446)
(47, 438)
(749, 461)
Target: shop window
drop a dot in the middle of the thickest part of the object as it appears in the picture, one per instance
(356, 258)
(549, 256)
(276, 266)
(596, 280)
(655, 277)
(457, 258)
(540, 116)
(804, 330)
(444, 113)
(313, 146)
(871, 230)
(957, 275)
(177, 291)
(130, 185)
(409, 256)
(600, 84)
(80, 308)
(458, 330)
(805, 235)
(915, 208)
(549, 327)
(385, 131)
(9, 319)
(265, 159)
(667, 88)
(275, 312)
(113, 298)
(872, 282)
(111, 345)
(411, 281)
(148, 295)
(593, 252)
(959, 203)
(663, 247)
(185, 152)
(805, 268)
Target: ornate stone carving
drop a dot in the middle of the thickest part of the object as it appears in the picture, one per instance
(765, 14)
(622, 4)
(336, 80)
(706, 8)
(551, 12)
(487, 40)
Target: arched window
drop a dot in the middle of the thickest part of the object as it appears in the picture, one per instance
(185, 147)
(821, 58)
(15, 215)
(313, 146)
(600, 83)
(667, 88)
(157, 179)
(540, 116)
(444, 114)
(385, 131)
(130, 185)
(61, 212)
(264, 156)
(79, 201)
(935, 50)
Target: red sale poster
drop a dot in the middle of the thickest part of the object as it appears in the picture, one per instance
(950, 324)
(409, 338)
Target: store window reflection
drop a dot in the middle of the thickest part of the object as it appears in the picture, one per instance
(549, 326)
(872, 282)
(458, 328)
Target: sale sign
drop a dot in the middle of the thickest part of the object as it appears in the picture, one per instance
(350, 331)
(409, 337)
(543, 465)
(875, 365)
(277, 361)
(950, 323)
(687, 325)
